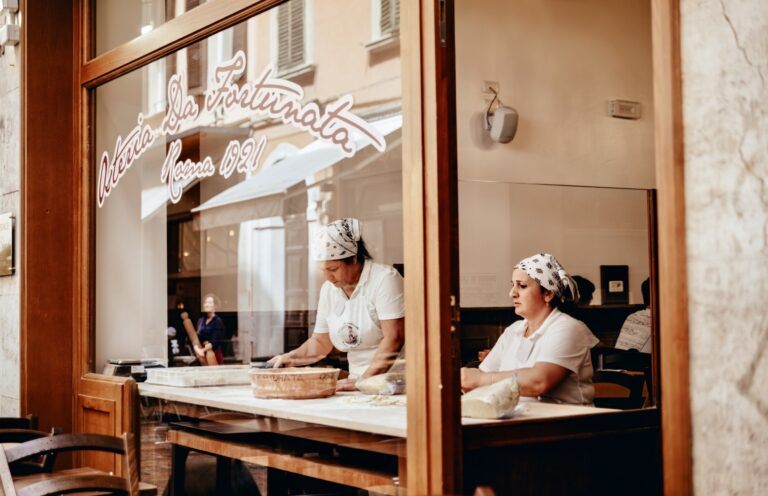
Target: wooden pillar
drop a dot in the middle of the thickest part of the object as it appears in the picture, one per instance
(49, 182)
(431, 248)
(673, 299)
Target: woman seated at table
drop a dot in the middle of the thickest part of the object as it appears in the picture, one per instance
(360, 311)
(548, 351)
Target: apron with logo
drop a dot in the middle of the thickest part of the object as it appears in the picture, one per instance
(354, 327)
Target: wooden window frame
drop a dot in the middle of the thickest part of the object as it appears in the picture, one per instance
(57, 215)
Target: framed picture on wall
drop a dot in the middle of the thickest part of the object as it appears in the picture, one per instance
(614, 284)
(6, 244)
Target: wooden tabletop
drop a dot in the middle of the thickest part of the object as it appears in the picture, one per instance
(346, 410)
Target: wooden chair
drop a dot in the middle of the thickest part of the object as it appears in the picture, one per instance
(42, 464)
(67, 481)
(630, 360)
(28, 422)
(618, 389)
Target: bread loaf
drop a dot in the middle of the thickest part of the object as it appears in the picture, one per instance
(491, 402)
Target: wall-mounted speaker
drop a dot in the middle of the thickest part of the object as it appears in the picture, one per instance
(504, 124)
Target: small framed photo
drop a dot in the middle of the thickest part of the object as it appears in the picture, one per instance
(614, 284)
(6, 245)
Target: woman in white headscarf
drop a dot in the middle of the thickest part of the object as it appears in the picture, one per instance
(360, 311)
(548, 351)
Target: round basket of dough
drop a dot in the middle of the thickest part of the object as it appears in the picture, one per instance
(294, 382)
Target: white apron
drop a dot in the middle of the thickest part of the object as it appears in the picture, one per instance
(354, 327)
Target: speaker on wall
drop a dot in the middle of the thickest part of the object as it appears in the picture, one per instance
(503, 124)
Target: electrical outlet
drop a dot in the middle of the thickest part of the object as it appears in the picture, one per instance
(490, 87)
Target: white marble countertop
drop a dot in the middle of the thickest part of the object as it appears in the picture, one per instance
(345, 410)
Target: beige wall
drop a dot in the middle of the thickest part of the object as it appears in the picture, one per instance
(558, 63)
(10, 180)
(583, 227)
(725, 65)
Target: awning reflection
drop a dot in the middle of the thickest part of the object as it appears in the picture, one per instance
(262, 195)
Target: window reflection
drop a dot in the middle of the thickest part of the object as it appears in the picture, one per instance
(245, 238)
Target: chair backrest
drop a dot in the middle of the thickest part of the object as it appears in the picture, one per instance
(616, 359)
(95, 481)
(618, 389)
(28, 422)
(42, 464)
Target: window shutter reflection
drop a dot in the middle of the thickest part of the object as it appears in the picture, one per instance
(170, 67)
(290, 35)
(389, 18)
(195, 56)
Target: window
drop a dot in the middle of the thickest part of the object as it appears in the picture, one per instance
(245, 236)
(220, 48)
(195, 58)
(386, 18)
(291, 40)
(156, 87)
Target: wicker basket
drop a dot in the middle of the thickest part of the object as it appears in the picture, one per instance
(294, 382)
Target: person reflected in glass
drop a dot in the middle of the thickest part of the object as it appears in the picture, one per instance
(211, 333)
(548, 351)
(360, 310)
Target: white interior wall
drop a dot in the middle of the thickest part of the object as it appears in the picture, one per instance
(558, 62)
(583, 227)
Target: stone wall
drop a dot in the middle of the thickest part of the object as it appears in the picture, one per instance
(725, 65)
(10, 179)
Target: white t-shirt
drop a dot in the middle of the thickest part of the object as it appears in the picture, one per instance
(354, 323)
(636, 332)
(561, 340)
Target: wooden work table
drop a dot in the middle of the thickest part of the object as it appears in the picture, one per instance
(373, 436)
(345, 410)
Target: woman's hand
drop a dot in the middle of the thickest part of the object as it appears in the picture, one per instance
(346, 385)
(278, 361)
(199, 351)
(471, 378)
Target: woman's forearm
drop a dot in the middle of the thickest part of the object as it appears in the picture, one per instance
(310, 351)
(535, 381)
(385, 355)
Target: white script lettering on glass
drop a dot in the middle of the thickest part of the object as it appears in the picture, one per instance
(273, 97)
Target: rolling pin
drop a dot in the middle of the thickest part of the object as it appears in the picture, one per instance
(205, 355)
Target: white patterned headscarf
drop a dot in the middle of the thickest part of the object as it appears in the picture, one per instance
(547, 271)
(337, 240)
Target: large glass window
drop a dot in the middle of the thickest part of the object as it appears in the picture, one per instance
(572, 180)
(187, 217)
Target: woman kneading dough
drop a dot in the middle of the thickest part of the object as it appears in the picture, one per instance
(360, 310)
(548, 351)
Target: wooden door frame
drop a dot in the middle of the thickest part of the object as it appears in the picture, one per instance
(431, 245)
(56, 212)
(49, 193)
(673, 293)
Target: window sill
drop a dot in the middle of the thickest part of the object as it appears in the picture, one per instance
(391, 40)
(296, 72)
